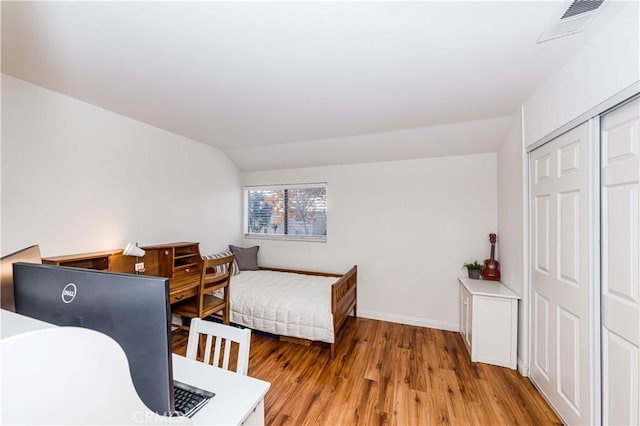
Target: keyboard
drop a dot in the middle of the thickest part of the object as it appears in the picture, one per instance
(188, 399)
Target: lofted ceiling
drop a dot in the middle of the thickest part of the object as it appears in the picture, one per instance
(298, 84)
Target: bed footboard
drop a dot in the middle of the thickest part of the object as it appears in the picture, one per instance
(343, 300)
(344, 296)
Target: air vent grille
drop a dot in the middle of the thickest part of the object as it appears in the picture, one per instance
(579, 7)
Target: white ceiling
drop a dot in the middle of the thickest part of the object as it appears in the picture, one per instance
(297, 84)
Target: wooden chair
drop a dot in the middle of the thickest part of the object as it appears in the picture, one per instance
(205, 303)
(221, 332)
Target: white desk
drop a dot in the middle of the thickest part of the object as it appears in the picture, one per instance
(12, 324)
(237, 396)
(239, 399)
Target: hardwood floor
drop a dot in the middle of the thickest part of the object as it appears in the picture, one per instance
(388, 374)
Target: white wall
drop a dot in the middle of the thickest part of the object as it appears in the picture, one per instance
(609, 63)
(512, 219)
(78, 178)
(408, 225)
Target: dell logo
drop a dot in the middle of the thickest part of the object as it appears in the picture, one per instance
(69, 293)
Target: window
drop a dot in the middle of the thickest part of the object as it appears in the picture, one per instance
(296, 212)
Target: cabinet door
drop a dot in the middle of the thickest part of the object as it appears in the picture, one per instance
(465, 317)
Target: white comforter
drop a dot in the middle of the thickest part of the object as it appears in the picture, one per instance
(283, 303)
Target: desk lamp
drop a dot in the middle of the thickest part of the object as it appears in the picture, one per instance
(134, 250)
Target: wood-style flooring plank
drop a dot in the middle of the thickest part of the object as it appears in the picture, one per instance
(388, 374)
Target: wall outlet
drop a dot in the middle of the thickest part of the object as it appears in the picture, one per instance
(139, 267)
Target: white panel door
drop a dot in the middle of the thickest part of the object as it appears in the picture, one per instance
(620, 257)
(561, 234)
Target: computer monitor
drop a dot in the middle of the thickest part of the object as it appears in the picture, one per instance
(132, 309)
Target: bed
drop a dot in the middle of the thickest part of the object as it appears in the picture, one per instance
(299, 306)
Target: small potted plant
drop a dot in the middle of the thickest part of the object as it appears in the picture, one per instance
(474, 269)
(274, 226)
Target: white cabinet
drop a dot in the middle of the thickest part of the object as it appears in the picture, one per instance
(489, 321)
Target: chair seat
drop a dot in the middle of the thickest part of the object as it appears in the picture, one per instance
(189, 308)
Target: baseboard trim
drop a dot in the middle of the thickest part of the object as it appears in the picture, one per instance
(522, 368)
(403, 319)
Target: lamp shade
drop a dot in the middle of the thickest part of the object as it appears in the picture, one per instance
(133, 250)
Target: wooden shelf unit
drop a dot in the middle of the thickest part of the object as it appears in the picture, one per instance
(180, 262)
(97, 260)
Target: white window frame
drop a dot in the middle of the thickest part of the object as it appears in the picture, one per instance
(283, 237)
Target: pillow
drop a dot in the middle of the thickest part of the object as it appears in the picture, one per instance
(247, 258)
(223, 268)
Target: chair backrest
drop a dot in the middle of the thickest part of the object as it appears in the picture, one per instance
(241, 336)
(216, 274)
(30, 255)
(216, 270)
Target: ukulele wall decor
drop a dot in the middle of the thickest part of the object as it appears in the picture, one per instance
(491, 269)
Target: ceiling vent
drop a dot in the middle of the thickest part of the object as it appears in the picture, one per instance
(574, 20)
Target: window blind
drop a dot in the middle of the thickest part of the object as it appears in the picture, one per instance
(289, 211)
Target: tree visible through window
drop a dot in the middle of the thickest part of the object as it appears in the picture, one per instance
(294, 210)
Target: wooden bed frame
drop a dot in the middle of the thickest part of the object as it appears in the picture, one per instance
(344, 299)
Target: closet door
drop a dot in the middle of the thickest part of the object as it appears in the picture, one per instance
(561, 234)
(620, 256)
